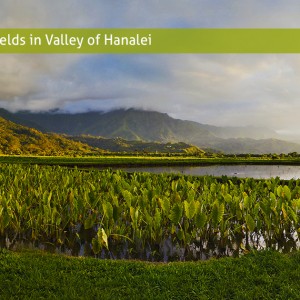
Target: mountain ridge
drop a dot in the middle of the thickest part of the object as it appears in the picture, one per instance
(152, 126)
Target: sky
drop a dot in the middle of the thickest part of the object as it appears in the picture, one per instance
(217, 89)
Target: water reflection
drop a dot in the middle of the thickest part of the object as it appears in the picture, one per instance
(241, 171)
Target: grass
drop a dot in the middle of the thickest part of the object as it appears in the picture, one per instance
(258, 275)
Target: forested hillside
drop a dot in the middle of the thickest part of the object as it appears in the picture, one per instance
(18, 139)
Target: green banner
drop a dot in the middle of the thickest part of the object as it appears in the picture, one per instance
(152, 40)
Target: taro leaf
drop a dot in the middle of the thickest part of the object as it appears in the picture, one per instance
(265, 209)
(256, 210)
(259, 224)
(250, 223)
(96, 245)
(279, 191)
(197, 207)
(180, 234)
(174, 228)
(200, 220)
(49, 197)
(70, 198)
(213, 188)
(193, 209)
(246, 200)
(176, 213)
(221, 212)
(6, 219)
(165, 204)
(296, 204)
(58, 221)
(108, 210)
(228, 198)
(157, 218)
(115, 200)
(217, 213)
(287, 192)
(103, 238)
(293, 215)
(132, 213)
(285, 215)
(191, 195)
(89, 221)
(174, 185)
(127, 196)
(190, 209)
(148, 219)
(45, 197)
(273, 197)
(116, 213)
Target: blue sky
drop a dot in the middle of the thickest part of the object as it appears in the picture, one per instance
(229, 89)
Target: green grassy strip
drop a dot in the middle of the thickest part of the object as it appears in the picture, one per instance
(142, 160)
(258, 275)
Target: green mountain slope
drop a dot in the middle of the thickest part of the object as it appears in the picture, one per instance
(19, 139)
(129, 124)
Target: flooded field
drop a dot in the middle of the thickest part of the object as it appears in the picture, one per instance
(242, 171)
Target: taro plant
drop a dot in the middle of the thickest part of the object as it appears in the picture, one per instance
(141, 215)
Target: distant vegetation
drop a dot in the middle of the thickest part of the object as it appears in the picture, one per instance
(120, 145)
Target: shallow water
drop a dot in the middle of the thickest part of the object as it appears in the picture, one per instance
(242, 171)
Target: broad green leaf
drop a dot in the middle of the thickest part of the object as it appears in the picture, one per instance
(191, 195)
(200, 219)
(284, 212)
(165, 204)
(116, 213)
(103, 238)
(157, 218)
(180, 234)
(174, 185)
(127, 196)
(246, 200)
(293, 215)
(250, 223)
(228, 198)
(190, 209)
(96, 245)
(108, 210)
(279, 191)
(197, 207)
(176, 213)
(273, 197)
(296, 204)
(213, 187)
(217, 213)
(89, 222)
(287, 192)
(6, 219)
